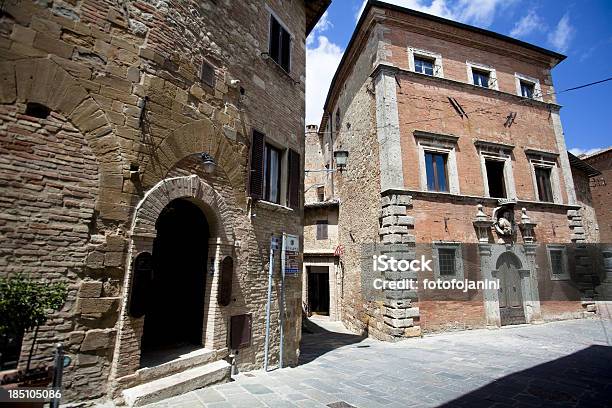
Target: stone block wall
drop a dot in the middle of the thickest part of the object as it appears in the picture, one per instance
(128, 109)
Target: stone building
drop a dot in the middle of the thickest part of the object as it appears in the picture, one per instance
(149, 150)
(322, 275)
(582, 173)
(455, 152)
(601, 191)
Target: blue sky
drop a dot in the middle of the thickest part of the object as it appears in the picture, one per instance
(579, 29)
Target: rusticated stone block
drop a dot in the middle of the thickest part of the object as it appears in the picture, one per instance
(98, 305)
(90, 289)
(98, 339)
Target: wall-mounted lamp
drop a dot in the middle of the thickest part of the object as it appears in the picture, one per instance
(341, 157)
(209, 163)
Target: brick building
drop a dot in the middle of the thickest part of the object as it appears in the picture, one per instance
(148, 152)
(455, 151)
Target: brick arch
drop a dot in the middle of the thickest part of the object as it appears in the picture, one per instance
(191, 187)
(45, 82)
(197, 137)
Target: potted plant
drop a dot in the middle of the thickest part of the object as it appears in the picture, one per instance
(24, 305)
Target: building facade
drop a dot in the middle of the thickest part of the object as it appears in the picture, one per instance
(148, 153)
(601, 191)
(455, 151)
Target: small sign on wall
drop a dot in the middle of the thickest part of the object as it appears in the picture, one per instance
(292, 253)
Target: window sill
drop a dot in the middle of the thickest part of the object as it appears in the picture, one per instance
(273, 206)
(278, 67)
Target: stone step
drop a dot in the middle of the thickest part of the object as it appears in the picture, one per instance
(185, 361)
(177, 384)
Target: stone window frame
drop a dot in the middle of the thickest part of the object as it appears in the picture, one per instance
(438, 143)
(271, 13)
(437, 57)
(499, 152)
(459, 270)
(562, 276)
(537, 90)
(546, 160)
(470, 65)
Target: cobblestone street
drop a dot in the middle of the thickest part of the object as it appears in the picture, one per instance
(552, 365)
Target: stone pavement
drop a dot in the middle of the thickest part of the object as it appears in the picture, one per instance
(561, 364)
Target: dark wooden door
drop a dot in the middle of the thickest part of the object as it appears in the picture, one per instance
(510, 298)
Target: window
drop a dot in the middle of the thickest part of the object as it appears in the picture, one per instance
(320, 193)
(269, 164)
(542, 175)
(280, 44)
(322, 229)
(495, 178)
(480, 78)
(424, 65)
(425, 62)
(272, 174)
(557, 258)
(448, 260)
(527, 89)
(435, 168)
(207, 74)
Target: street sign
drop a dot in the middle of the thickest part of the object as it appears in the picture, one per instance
(292, 243)
(275, 243)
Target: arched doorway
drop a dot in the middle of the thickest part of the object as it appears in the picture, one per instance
(175, 312)
(510, 292)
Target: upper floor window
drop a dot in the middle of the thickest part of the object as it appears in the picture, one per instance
(207, 74)
(437, 162)
(528, 87)
(481, 75)
(271, 164)
(435, 167)
(280, 44)
(322, 229)
(496, 165)
(425, 62)
(545, 175)
(495, 178)
(321, 193)
(424, 66)
(272, 173)
(480, 78)
(542, 175)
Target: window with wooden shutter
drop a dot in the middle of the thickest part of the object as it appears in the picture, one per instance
(256, 182)
(280, 44)
(226, 277)
(294, 179)
(322, 229)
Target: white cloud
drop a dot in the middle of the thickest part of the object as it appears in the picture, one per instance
(528, 24)
(322, 59)
(577, 151)
(562, 35)
(477, 12)
(323, 25)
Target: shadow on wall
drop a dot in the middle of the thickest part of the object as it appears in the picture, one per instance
(316, 341)
(582, 379)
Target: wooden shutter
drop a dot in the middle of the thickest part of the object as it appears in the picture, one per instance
(256, 179)
(285, 51)
(224, 291)
(275, 37)
(322, 230)
(294, 179)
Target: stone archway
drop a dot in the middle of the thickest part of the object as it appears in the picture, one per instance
(499, 259)
(197, 137)
(126, 360)
(45, 82)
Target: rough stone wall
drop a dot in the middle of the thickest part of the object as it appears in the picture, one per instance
(311, 216)
(587, 210)
(314, 160)
(601, 190)
(122, 78)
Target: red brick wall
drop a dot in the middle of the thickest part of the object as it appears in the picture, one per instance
(601, 190)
